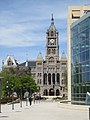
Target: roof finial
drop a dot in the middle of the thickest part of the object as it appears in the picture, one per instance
(26, 56)
(52, 18)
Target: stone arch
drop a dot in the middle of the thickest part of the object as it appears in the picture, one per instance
(49, 51)
(49, 79)
(57, 92)
(53, 78)
(45, 79)
(51, 60)
(51, 92)
(58, 78)
(45, 93)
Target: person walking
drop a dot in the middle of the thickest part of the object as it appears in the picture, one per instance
(30, 100)
(34, 98)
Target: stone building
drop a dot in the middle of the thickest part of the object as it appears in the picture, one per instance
(49, 73)
(10, 62)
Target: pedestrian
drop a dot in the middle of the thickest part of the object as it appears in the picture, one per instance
(30, 100)
(34, 98)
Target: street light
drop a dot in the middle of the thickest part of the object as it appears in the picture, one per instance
(6, 88)
(39, 93)
(21, 97)
(0, 91)
(12, 98)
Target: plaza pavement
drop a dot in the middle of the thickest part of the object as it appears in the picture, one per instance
(43, 111)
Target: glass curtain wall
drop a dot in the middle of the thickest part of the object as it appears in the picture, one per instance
(80, 61)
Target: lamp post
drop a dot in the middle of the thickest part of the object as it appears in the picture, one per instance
(12, 98)
(21, 98)
(39, 93)
(6, 88)
(0, 91)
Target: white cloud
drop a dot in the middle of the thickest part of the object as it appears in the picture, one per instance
(23, 26)
(16, 35)
(25, 23)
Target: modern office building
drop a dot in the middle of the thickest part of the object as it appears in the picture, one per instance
(78, 53)
(48, 73)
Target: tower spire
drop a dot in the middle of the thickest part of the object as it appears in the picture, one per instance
(26, 59)
(52, 20)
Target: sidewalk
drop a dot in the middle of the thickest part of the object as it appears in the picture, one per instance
(41, 111)
(74, 107)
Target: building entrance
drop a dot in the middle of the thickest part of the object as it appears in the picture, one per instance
(51, 92)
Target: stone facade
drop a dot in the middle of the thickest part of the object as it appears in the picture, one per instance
(9, 62)
(49, 73)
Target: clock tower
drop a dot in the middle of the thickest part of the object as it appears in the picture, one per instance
(52, 47)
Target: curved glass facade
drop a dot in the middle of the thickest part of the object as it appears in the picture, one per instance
(80, 61)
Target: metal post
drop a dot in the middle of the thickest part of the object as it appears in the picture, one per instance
(12, 99)
(0, 92)
(89, 113)
(39, 93)
(39, 97)
(21, 98)
(7, 91)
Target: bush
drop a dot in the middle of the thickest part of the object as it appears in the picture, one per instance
(5, 100)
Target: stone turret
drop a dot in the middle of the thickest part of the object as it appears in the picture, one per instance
(39, 57)
(63, 57)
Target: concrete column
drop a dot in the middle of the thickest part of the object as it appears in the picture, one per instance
(55, 78)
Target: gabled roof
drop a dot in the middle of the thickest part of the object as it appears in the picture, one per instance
(10, 59)
(30, 64)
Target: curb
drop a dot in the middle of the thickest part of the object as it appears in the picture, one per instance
(74, 107)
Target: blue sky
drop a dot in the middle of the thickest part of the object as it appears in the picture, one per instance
(23, 26)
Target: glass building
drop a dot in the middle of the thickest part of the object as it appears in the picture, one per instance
(80, 59)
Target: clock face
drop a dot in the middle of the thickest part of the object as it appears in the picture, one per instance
(52, 41)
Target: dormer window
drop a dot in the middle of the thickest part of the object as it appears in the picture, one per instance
(52, 33)
(9, 63)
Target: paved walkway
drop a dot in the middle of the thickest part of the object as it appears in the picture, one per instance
(42, 111)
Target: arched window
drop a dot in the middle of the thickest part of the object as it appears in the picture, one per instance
(62, 81)
(58, 78)
(52, 33)
(45, 79)
(53, 78)
(51, 60)
(45, 93)
(53, 51)
(51, 92)
(49, 79)
(57, 92)
(49, 51)
(40, 81)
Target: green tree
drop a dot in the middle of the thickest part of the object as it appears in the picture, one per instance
(21, 79)
(7, 80)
